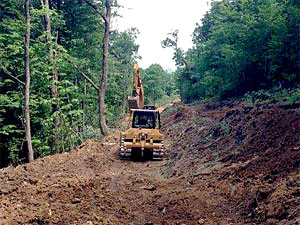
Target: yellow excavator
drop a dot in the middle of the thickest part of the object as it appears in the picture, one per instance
(143, 139)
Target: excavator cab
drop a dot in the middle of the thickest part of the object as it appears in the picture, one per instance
(147, 119)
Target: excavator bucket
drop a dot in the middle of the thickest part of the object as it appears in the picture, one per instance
(136, 102)
(133, 102)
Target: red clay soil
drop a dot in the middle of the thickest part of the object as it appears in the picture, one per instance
(226, 164)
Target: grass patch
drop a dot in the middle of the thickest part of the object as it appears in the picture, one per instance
(262, 97)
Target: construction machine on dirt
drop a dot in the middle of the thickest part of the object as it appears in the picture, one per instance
(143, 139)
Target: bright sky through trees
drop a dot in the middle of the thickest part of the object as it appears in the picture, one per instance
(155, 19)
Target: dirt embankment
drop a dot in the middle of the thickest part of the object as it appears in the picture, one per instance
(249, 157)
(226, 164)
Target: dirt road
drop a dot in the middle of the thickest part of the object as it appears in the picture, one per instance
(207, 176)
(91, 186)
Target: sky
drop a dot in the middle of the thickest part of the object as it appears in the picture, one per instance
(155, 19)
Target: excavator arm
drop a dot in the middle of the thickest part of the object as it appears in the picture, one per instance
(136, 101)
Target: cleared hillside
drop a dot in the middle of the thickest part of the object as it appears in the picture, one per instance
(226, 164)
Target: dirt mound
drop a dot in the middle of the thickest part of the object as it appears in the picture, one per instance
(250, 154)
(91, 186)
(68, 188)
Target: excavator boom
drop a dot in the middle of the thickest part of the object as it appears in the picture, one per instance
(136, 101)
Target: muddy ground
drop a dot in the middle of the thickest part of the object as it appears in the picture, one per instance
(225, 164)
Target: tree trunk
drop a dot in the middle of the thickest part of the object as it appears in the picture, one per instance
(298, 46)
(103, 85)
(54, 89)
(125, 85)
(84, 106)
(58, 5)
(27, 85)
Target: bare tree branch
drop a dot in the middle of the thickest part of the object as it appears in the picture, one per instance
(96, 9)
(12, 76)
(15, 78)
(87, 78)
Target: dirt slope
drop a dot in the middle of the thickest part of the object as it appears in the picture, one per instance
(226, 164)
(251, 157)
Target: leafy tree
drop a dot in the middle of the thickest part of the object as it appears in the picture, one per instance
(239, 46)
(66, 42)
(123, 52)
(159, 84)
(172, 41)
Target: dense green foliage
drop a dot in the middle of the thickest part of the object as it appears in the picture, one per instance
(240, 46)
(76, 44)
(159, 85)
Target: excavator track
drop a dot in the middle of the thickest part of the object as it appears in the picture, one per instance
(124, 153)
(158, 154)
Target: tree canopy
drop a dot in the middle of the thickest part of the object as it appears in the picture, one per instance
(240, 46)
(66, 58)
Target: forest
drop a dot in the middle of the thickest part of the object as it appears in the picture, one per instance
(240, 46)
(65, 74)
(66, 66)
